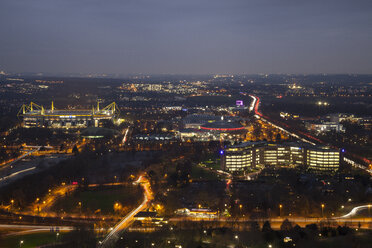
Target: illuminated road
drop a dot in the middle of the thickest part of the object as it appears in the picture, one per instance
(17, 173)
(259, 115)
(23, 168)
(125, 136)
(26, 229)
(41, 207)
(7, 164)
(354, 211)
(357, 165)
(113, 236)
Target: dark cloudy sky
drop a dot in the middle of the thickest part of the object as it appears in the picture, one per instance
(188, 36)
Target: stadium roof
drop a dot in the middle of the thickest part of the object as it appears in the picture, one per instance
(222, 126)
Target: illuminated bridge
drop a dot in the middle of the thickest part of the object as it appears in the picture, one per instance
(35, 115)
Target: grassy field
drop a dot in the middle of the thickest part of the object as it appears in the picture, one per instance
(212, 164)
(29, 240)
(198, 172)
(100, 200)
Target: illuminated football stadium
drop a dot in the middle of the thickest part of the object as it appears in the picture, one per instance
(35, 115)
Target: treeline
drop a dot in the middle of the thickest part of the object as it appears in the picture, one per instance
(208, 234)
(38, 136)
(85, 168)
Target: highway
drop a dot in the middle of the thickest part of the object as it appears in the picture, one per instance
(36, 148)
(113, 236)
(27, 229)
(259, 115)
(23, 168)
(17, 173)
(21, 171)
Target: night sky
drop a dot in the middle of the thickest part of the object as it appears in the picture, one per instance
(189, 36)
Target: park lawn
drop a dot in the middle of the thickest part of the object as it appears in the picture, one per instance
(215, 165)
(29, 240)
(100, 200)
(200, 173)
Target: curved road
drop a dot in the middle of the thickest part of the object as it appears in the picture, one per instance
(113, 236)
(354, 211)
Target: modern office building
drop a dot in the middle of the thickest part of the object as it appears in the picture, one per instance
(320, 159)
(252, 154)
(241, 156)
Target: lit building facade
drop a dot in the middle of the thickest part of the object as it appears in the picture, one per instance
(322, 160)
(37, 116)
(252, 154)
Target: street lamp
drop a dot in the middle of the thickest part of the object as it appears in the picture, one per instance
(280, 210)
(322, 210)
(20, 243)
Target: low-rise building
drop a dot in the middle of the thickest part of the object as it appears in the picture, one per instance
(325, 126)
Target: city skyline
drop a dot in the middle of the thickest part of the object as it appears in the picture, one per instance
(185, 124)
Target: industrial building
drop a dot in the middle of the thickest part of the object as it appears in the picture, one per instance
(252, 154)
(324, 126)
(35, 115)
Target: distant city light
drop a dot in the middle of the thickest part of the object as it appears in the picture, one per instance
(239, 103)
(323, 103)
